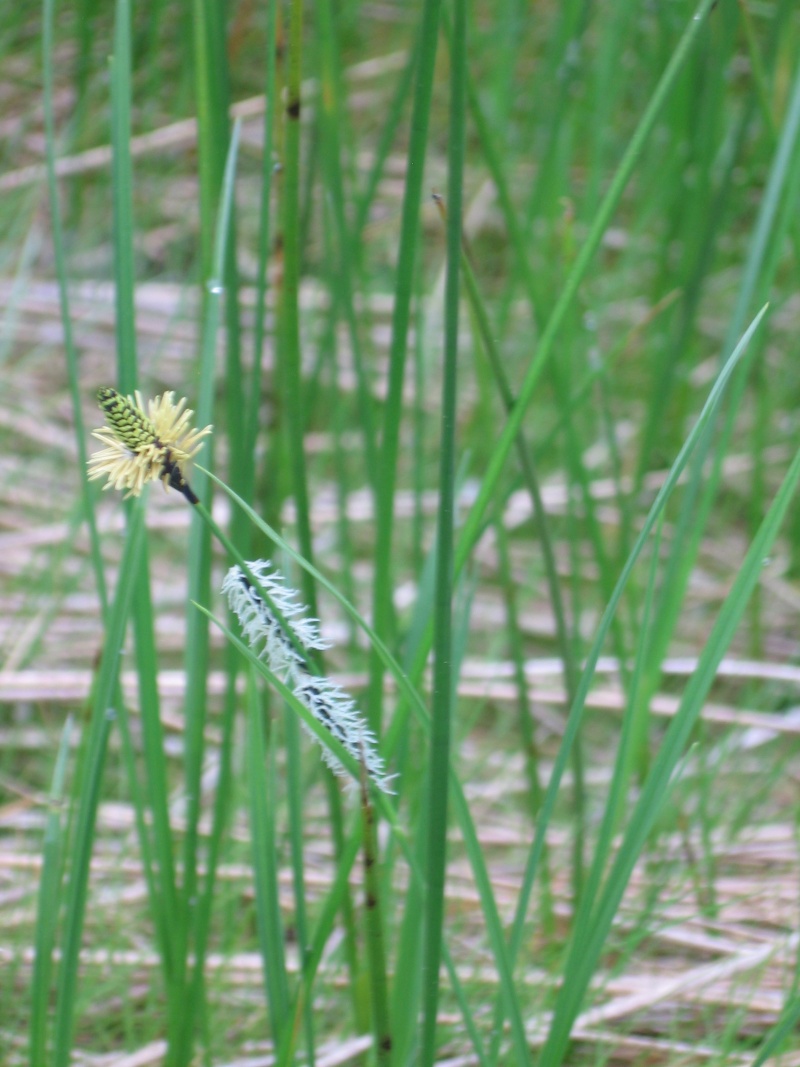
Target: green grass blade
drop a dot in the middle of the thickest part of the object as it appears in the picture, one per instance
(702, 488)
(297, 823)
(293, 394)
(626, 752)
(49, 65)
(50, 888)
(316, 947)
(407, 984)
(530, 747)
(528, 467)
(261, 790)
(193, 919)
(382, 605)
(779, 1032)
(99, 730)
(576, 710)
(253, 397)
(569, 291)
(122, 198)
(155, 795)
(365, 199)
(331, 121)
(155, 765)
(442, 699)
(290, 353)
(211, 89)
(583, 956)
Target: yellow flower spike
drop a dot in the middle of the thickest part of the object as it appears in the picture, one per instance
(141, 447)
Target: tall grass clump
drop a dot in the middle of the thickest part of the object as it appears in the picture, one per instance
(594, 307)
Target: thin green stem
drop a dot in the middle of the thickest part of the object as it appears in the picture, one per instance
(528, 466)
(382, 602)
(47, 907)
(443, 672)
(99, 730)
(261, 790)
(544, 350)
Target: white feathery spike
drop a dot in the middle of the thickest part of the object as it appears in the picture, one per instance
(328, 703)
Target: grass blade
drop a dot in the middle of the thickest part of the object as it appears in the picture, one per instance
(382, 605)
(443, 680)
(50, 888)
(261, 789)
(89, 798)
(194, 919)
(576, 710)
(584, 955)
(600, 222)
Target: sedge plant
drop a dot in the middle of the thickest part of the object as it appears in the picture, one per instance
(562, 188)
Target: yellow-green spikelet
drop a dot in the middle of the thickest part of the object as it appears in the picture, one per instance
(129, 423)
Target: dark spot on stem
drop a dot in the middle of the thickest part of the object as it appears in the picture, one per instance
(176, 479)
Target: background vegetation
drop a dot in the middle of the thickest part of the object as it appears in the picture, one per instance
(473, 296)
